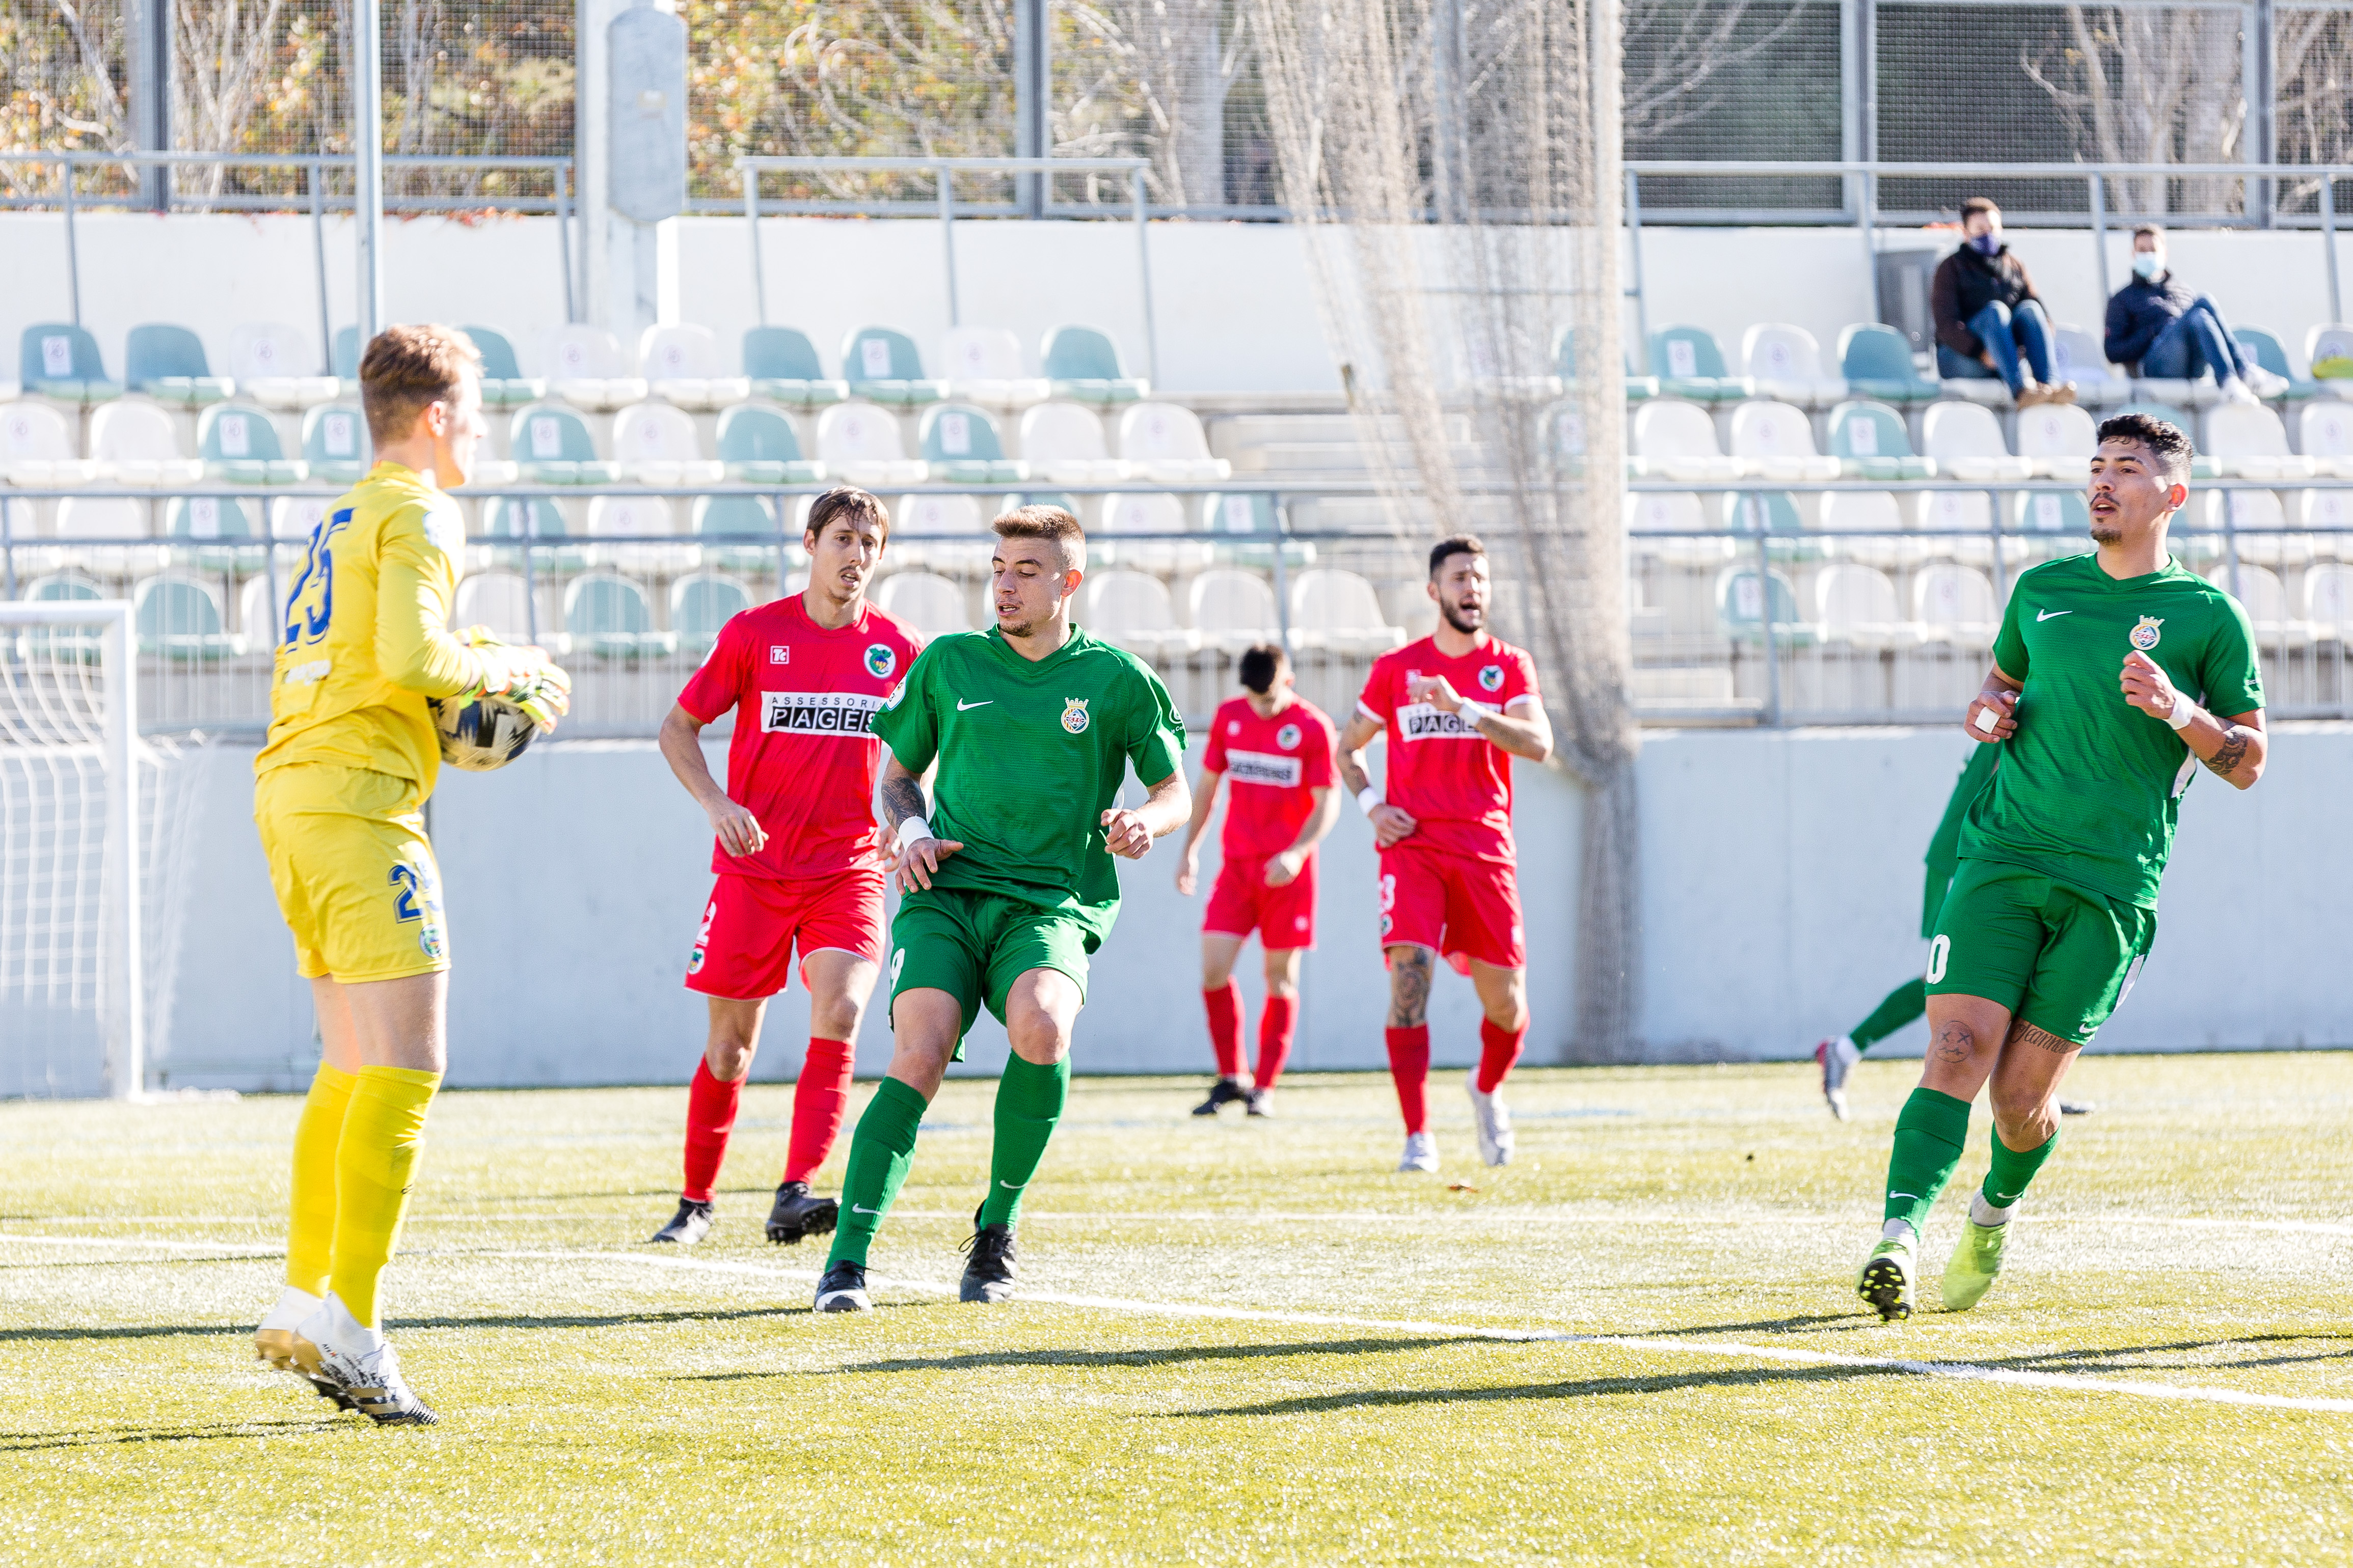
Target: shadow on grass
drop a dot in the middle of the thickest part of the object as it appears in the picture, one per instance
(1762, 1325)
(1165, 1355)
(28, 1442)
(1578, 1388)
(2110, 1358)
(576, 1320)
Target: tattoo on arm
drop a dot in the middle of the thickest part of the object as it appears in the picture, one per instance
(1408, 986)
(2025, 1033)
(1955, 1042)
(2233, 752)
(901, 798)
(1352, 772)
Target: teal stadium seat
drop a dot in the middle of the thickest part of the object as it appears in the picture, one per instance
(552, 445)
(609, 615)
(702, 602)
(1740, 608)
(883, 366)
(168, 364)
(782, 367)
(510, 518)
(239, 445)
(2054, 511)
(60, 361)
(216, 533)
(1877, 363)
(963, 445)
(2272, 355)
(1870, 443)
(335, 443)
(759, 447)
(1689, 362)
(748, 520)
(504, 385)
(344, 357)
(1084, 366)
(180, 618)
(1563, 353)
(62, 645)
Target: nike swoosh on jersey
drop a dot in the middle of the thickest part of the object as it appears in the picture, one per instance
(2051, 615)
(962, 704)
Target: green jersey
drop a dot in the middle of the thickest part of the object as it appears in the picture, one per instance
(1031, 754)
(1945, 849)
(2089, 785)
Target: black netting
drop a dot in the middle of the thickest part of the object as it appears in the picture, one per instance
(1727, 80)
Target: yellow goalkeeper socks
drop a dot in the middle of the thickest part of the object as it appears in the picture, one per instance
(310, 1205)
(384, 1133)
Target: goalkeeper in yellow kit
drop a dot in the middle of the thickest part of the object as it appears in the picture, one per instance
(353, 753)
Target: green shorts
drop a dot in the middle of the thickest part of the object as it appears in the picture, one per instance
(975, 946)
(2053, 953)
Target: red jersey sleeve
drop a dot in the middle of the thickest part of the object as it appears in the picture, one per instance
(1380, 689)
(1521, 681)
(716, 688)
(1316, 771)
(1213, 755)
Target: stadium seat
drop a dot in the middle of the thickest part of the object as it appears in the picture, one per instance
(552, 445)
(2271, 355)
(954, 516)
(239, 445)
(929, 602)
(58, 361)
(1964, 440)
(984, 366)
(136, 443)
(1639, 388)
(2328, 350)
(1064, 443)
(537, 519)
(2328, 602)
(60, 644)
(1232, 610)
(2054, 511)
(274, 366)
(1952, 511)
(1083, 365)
(1239, 513)
(335, 443)
(1856, 605)
(504, 385)
(2057, 440)
(700, 605)
(656, 443)
(114, 525)
(1786, 365)
(586, 368)
(1860, 525)
(344, 360)
(1776, 441)
(1761, 511)
(1676, 439)
(1163, 442)
(1339, 611)
(37, 448)
(1143, 514)
(609, 615)
(1653, 513)
(180, 618)
(168, 364)
(749, 526)
(962, 446)
(2076, 355)
(2204, 392)
(637, 517)
(1740, 608)
(1133, 610)
(501, 601)
(2247, 441)
(2260, 523)
(298, 517)
(859, 443)
(2259, 592)
(883, 366)
(198, 524)
(681, 365)
(255, 616)
(1163, 515)
(1870, 443)
(782, 365)
(2325, 434)
(759, 446)
(1877, 363)
(2330, 510)
(1689, 362)
(1955, 605)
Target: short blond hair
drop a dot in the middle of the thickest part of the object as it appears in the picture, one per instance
(408, 368)
(1046, 523)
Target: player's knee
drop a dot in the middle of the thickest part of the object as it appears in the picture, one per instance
(1038, 1038)
(1509, 1014)
(729, 1057)
(2023, 1119)
(835, 1018)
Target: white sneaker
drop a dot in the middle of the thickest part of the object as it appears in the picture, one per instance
(2265, 383)
(1838, 1057)
(1420, 1152)
(1494, 1122)
(273, 1342)
(357, 1367)
(2237, 391)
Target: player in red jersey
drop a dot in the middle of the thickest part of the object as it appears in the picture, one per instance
(1275, 748)
(799, 859)
(1456, 707)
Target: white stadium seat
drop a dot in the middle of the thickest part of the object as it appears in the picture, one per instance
(1856, 604)
(982, 365)
(585, 367)
(2076, 356)
(1063, 444)
(860, 443)
(2247, 441)
(682, 364)
(2326, 429)
(2258, 518)
(930, 604)
(2259, 590)
(1164, 441)
(1338, 610)
(37, 448)
(1955, 605)
(1676, 440)
(2057, 440)
(137, 443)
(1785, 363)
(276, 366)
(1232, 609)
(656, 443)
(1132, 609)
(2328, 601)
(1776, 441)
(1965, 440)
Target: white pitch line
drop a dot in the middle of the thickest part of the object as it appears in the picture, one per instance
(247, 1247)
(1962, 1371)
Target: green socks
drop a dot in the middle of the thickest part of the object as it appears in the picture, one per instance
(1903, 1004)
(1929, 1139)
(880, 1153)
(2012, 1169)
(1029, 1102)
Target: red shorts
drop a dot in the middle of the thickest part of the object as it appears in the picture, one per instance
(1241, 902)
(744, 949)
(1455, 905)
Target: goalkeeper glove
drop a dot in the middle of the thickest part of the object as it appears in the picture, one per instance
(523, 676)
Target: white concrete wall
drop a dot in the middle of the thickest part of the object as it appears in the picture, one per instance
(1782, 892)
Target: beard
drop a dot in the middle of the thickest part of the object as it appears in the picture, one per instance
(2105, 532)
(1016, 628)
(1466, 621)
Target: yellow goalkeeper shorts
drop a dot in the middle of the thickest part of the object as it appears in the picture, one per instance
(354, 876)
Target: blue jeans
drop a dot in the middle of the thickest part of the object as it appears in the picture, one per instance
(2006, 332)
(2196, 342)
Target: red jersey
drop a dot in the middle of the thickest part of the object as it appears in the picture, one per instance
(1270, 764)
(1454, 781)
(804, 757)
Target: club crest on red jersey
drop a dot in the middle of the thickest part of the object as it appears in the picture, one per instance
(1287, 737)
(881, 658)
(1490, 678)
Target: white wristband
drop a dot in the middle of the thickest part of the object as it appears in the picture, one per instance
(915, 827)
(1368, 799)
(2183, 711)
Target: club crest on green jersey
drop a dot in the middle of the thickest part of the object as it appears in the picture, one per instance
(881, 658)
(1074, 715)
(2145, 635)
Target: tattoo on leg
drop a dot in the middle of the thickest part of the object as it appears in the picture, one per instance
(2233, 751)
(2022, 1033)
(1409, 988)
(1955, 1042)
(901, 798)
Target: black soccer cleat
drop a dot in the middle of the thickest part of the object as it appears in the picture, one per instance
(796, 1214)
(1224, 1092)
(988, 1276)
(2075, 1107)
(843, 1290)
(690, 1224)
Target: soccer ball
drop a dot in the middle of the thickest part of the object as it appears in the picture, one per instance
(481, 733)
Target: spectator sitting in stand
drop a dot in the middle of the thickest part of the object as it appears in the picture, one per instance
(1989, 323)
(2159, 329)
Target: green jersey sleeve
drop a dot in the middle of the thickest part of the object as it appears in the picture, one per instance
(1155, 734)
(2229, 671)
(2009, 643)
(909, 722)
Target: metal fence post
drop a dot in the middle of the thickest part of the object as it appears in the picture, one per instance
(530, 566)
(1603, 373)
(2329, 238)
(317, 178)
(2231, 542)
(947, 234)
(751, 227)
(73, 251)
(1765, 589)
(564, 236)
(2001, 573)
(1144, 274)
(1282, 586)
(2098, 186)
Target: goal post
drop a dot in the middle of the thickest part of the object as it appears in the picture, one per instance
(72, 979)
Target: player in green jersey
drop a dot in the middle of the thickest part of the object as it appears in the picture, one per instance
(2116, 674)
(1006, 883)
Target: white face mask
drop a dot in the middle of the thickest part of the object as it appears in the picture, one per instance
(2147, 264)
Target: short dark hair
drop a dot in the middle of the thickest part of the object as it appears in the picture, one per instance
(849, 502)
(2166, 441)
(1041, 521)
(1974, 206)
(1454, 544)
(1262, 664)
(2154, 230)
(406, 370)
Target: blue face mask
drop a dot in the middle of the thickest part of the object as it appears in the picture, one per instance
(1987, 244)
(2146, 263)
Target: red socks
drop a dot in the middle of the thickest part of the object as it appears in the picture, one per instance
(1225, 1005)
(1497, 1052)
(820, 1099)
(1274, 1027)
(1409, 1066)
(710, 1118)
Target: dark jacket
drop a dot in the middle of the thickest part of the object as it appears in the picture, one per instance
(1967, 283)
(2138, 312)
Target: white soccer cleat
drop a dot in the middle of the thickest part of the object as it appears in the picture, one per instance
(1838, 1057)
(1494, 1122)
(1420, 1152)
(357, 1368)
(273, 1342)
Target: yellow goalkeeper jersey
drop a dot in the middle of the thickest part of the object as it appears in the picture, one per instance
(364, 639)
